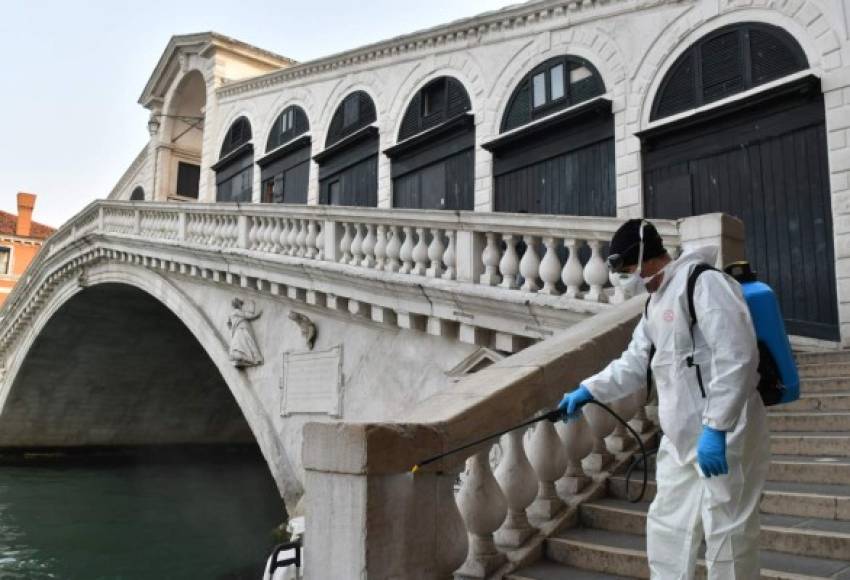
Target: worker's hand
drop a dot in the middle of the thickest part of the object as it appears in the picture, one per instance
(711, 452)
(570, 406)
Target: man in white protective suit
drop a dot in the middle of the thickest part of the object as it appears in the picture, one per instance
(714, 455)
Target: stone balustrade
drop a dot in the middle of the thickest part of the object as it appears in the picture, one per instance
(551, 255)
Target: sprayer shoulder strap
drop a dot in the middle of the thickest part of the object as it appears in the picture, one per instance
(651, 353)
(692, 283)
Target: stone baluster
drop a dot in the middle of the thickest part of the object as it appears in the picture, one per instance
(573, 274)
(601, 425)
(549, 461)
(262, 234)
(381, 247)
(529, 266)
(640, 422)
(284, 236)
(252, 231)
(619, 296)
(320, 241)
(509, 264)
(519, 484)
(393, 250)
(596, 273)
(436, 249)
(578, 443)
(406, 253)
(450, 256)
(483, 508)
(550, 267)
(345, 243)
(368, 247)
(301, 239)
(357, 246)
(311, 240)
(274, 235)
(420, 253)
(292, 240)
(621, 439)
(490, 259)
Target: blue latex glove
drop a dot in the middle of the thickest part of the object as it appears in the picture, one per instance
(711, 452)
(571, 404)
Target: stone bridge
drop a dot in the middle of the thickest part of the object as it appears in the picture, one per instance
(119, 334)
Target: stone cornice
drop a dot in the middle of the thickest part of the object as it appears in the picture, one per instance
(464, 30)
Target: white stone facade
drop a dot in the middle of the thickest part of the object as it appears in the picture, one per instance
(632, 43)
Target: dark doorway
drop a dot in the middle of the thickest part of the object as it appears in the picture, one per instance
(433, 165)
(556, 151)
(764, 161)
(348, 167)
(285, 169)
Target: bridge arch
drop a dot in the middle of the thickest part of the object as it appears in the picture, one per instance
(145, 298)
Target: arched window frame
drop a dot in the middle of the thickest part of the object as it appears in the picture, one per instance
(695, 56)
(554, 98)
(237, 135)
(355, 112)
(291, 123)
(138, 194)
(440, 100)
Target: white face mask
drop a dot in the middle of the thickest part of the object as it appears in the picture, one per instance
(632, 283)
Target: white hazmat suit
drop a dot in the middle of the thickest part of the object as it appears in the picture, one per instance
(725, 508)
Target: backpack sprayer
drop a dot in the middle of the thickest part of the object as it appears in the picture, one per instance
(554, 416)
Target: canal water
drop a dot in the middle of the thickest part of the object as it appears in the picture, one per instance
(160, 515)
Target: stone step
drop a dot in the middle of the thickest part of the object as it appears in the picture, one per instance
(810, 371)
(800, 469)
(819, 402)
(823, 357)
(811, 444)
(825, 385)
(781, 421)
(546, 570)
(786, 534)
(815, 500)
(624, 554)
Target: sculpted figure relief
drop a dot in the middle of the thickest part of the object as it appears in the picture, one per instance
(308, 329)
(244, 351)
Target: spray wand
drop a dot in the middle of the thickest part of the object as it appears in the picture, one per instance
(553, 416)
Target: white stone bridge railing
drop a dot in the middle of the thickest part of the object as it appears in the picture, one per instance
(531, 253)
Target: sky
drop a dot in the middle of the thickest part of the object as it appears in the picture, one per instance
(74, 69)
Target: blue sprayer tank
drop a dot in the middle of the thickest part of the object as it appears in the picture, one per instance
(769, 326)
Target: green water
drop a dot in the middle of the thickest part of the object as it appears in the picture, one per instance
(191, 515)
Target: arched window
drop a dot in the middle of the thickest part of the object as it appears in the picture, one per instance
(556, 84)
(285, 169)
(354, 113)
(234, 170)
(730, 60)
(291, 123)
(433, 164)
(563, 161)
(138, 194)
(348, 167)
(762, 158)
(239, 134)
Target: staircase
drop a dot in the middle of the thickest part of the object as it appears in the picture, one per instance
(805, 508)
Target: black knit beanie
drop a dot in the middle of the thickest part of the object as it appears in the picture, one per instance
(626, 241)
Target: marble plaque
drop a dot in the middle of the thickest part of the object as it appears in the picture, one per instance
(312, 382)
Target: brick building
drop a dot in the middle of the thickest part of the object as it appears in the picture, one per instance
(20, 240)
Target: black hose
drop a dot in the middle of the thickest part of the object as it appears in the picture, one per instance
(643, 454)
(553, 416)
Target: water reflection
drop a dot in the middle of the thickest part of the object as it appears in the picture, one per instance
(162, 515)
